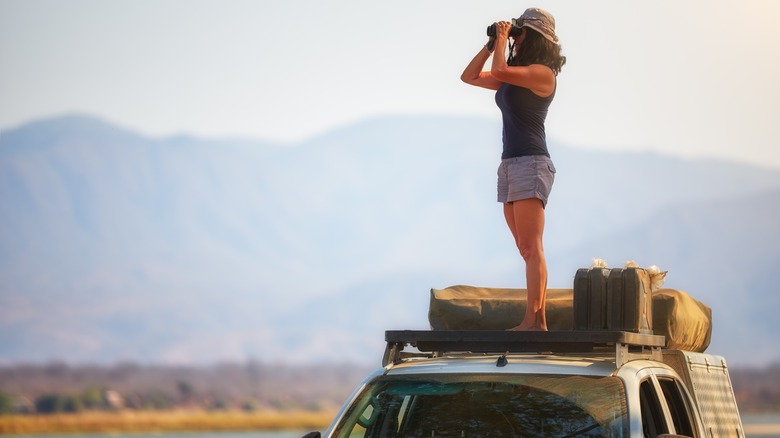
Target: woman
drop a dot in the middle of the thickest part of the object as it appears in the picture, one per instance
(525, 85)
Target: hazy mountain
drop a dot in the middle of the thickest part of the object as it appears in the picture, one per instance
(117, 246)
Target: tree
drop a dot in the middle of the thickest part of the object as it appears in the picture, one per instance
(56, 403)
(92, 397)
(6, 403)
(185, 389)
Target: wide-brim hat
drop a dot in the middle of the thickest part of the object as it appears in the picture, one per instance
(540, 21)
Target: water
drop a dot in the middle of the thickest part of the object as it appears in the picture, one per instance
(761, 426)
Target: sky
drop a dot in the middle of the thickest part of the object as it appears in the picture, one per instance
(691, 78)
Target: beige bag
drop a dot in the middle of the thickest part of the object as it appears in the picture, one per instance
(685, 322)
(483, 308)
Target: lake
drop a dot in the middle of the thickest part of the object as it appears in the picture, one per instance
(763, 426)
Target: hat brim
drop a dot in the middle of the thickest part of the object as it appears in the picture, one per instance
(552, 37)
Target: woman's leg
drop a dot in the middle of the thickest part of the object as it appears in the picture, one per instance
(526, 221)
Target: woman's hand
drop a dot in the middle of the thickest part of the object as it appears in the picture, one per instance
(502, 29)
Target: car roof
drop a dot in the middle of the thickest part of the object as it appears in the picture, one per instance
(581, 365)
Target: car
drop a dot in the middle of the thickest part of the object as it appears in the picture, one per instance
(560, 383)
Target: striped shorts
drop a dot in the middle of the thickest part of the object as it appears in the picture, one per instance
(526, 177)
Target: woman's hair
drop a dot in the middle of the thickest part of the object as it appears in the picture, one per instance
(536, 49)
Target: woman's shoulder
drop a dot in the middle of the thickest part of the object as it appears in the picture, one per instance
(520, 90)
(542, 69)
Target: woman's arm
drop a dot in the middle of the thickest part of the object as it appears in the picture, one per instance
(474, 75)
(536, 77)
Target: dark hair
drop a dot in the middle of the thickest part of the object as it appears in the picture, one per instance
(536, 49)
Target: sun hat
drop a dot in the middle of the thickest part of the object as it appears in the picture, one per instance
(540, 21)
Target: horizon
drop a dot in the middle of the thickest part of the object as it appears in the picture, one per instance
(379, 117)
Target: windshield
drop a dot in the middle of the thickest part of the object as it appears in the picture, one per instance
(487, 406)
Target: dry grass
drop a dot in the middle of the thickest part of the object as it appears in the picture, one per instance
(162, 421)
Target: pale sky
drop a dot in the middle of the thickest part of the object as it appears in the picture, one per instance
(690, 78)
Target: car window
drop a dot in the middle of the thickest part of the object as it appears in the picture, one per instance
(678, 409)
(653, 422)
(489, 405)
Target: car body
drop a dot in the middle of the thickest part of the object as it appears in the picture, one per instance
(539, 384)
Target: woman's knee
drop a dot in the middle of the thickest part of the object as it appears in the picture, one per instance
(530, 251)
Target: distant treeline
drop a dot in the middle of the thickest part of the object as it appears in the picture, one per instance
(757, 389)
(61, 388)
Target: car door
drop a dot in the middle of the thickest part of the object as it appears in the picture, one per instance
(667, 407)
(664, 405)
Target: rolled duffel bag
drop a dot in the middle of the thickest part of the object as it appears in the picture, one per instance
(482, 308)
(685, 322)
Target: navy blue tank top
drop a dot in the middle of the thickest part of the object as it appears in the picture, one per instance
(523, 113)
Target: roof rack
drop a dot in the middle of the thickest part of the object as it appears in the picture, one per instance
(627, 345)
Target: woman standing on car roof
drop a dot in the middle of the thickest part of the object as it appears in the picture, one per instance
(525, 85)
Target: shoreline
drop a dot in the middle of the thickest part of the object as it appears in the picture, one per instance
(163, 421)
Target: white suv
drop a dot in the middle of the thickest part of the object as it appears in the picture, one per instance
(539, 384)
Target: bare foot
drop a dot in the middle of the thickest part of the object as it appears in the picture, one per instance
(532, 323)
(522, 328)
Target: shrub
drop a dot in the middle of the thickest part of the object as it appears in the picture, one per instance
(56, 403)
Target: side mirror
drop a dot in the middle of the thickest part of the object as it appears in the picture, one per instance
(313, 435)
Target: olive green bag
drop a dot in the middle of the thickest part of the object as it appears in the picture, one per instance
(685, 322)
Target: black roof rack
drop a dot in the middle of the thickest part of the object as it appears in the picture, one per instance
(625, 344)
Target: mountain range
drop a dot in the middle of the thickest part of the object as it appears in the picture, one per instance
(117, 246)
